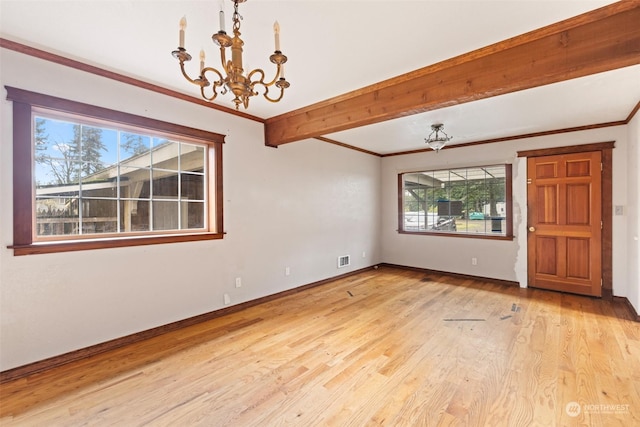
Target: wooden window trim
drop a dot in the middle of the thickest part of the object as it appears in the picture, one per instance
(23, 208)
(508, 216)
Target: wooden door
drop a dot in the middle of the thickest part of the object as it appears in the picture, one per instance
(565, 222)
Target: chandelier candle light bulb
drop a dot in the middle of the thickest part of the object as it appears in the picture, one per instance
(202, 56)
(222, 28)
(183, 26)
(276, 33)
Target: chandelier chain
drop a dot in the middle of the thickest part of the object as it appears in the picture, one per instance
(236, 18)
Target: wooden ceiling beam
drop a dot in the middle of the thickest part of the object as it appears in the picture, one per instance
(601, 40)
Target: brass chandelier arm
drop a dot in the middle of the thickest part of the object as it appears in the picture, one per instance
(216, 84)
(261, 81)
(183, 56)
(208, 98)
(266, 94)
(220, 80)
(278, 81)
(186, 76)
(254, 72)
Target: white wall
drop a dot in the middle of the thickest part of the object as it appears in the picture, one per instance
(632, 212)
(299, 206)
(499, 259)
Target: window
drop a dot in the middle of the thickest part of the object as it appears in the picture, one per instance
(87, 177)
(470, 202)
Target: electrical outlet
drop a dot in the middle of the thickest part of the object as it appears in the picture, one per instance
(364, 254)
(227, 299)
(474, 261)
(238, 282)
(287, 271)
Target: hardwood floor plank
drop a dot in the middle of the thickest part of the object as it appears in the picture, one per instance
(390, 347)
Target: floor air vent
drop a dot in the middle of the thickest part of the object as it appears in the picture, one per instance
(344, 261)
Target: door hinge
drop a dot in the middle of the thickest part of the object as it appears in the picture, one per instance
(601, 166)
(529, 181)
(601, 225)
(601, 282)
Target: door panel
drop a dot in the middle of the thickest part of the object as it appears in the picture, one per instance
(577, 267)
(578, 204)
(547, 262)
(565, 214)
(548, 195)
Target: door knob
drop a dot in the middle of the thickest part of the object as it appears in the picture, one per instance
(532, 229)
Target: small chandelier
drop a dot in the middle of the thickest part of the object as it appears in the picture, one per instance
(437, 138)
(233, 77)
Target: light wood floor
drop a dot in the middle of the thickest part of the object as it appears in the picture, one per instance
(387, 347)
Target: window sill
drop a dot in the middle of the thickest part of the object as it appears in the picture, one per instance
(468, 235)
(120, 242)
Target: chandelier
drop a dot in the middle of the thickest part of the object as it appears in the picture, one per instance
(437, 138)
(233, 77)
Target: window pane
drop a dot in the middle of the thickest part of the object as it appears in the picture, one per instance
(192, 187)
(441, 176)
(165, 185)
(57, 173)
(497, 198)
(97, 148)
(191, 157)
(103, 182)
(98, 171)
(165, 154)
(192, 215)
(135, 150)
(106, 189)
(57, 216)
(134, 183)
(134, 216)
(99, 216)
(165, 215)
(55, 139)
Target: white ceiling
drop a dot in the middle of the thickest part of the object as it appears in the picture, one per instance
(334, 46)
